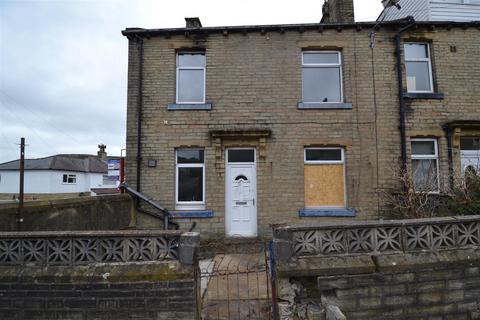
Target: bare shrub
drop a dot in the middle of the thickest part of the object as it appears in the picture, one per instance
(464, 194)
(418, 194)
(413, 199)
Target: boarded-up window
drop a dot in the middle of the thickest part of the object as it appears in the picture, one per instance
(324, 173)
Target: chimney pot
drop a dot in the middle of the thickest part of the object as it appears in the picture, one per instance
(193, 22)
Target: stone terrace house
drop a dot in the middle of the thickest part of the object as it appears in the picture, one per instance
(238, 128)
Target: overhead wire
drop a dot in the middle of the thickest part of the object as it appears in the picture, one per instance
(39, 115)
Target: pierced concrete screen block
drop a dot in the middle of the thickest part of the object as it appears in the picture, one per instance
(324, 185)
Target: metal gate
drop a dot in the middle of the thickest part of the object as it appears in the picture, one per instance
(237, 286)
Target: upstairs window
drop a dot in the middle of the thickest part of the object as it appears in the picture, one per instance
(190, 178)
(324, 178)
(191, 77)
(69, 178)
(322, 77)
(418, 66)
(425, 165)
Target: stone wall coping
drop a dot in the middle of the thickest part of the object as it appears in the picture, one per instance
(91, 234)
(60, 203)
(378, 223)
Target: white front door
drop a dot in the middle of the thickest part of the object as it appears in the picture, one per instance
(241, 193)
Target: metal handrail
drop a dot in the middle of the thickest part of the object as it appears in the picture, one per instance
(164, 212)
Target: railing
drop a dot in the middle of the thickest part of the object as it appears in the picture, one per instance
(85, 247)
(374, 237)
(164, 213)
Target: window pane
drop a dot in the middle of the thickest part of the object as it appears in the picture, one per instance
(321, 85)
(190, 156)
(470, 143)
(191, 60)
(190, 184)
(416, 51)
(425, 175)
(323, 155)
(423, 148)
(190, 85)
(418, 76)
(65, 178)
(320, 57)
(241, 156)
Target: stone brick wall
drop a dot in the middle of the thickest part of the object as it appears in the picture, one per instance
(411, 269)
(159, 300)
(443, 292)
(136, 292)
(99, 275)
(114, 212)
(253, 80)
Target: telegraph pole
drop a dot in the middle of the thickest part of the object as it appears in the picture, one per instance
(21, 193)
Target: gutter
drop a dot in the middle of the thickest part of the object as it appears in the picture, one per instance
(401, 97)
(128, 32)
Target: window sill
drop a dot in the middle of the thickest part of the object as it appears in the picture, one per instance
(320, 212)
(427, 95)
(319, 105)
(192, 214)
(192, 106)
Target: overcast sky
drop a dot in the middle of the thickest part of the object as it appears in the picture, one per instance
(63, 63)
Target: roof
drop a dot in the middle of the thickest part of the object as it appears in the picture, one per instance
(130, 32)
(61, 162)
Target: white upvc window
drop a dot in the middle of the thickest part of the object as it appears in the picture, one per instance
(425, 169)
(69, 178)
(418, 65)
(191, 77)
(190, 179)
(322, 77)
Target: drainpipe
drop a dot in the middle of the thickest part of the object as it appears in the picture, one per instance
(449, 133)
(401, 98)
(139, 111)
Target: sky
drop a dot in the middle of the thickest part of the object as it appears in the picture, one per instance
(63, 63)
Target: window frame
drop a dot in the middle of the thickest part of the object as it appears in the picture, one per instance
(338, 65)
(321, 162)
(69, 175)
(427, 157)
(189, 205)
(305, 161)
(428, 60)
(178, 69)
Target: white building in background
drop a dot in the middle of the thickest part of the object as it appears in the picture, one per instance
(434, 10)
(62, 175)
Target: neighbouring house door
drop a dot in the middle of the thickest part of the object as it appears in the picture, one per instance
(240, 193)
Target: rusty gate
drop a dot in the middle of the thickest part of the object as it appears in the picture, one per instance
(237, 286)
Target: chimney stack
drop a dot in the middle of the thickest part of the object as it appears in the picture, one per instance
(102, 154)
(338, 11)
(193, 22)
